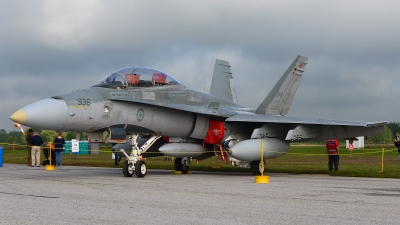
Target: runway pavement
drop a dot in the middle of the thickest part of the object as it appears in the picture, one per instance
(87, 195)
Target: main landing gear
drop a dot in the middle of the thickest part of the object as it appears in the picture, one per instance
(182, 164)
(256, 168)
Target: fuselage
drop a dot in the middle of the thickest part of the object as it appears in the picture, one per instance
(137, 110)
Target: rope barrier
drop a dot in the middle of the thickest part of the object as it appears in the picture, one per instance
(108, 149)
(367, 161)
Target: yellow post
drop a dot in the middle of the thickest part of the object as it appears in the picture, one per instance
(216, 166)
(50, 167)
(262, 179)
(383, 155)
(262, 158)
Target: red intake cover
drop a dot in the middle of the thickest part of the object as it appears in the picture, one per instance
(215, 133)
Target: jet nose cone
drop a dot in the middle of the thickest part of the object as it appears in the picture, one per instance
(47, 114)
(19, 117)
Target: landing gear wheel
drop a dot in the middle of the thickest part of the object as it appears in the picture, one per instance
(178, 164)
(140, 169)
(255, 168)
(127, 169)
(185, 169)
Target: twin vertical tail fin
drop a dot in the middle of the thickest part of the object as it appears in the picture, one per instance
(280, 98)
(222, 81)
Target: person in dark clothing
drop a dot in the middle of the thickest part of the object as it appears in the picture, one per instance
(117, 157)
(332, 147)
(49, 154)
(59, 143)
(397, 144)
(29, 146)
(36, 142)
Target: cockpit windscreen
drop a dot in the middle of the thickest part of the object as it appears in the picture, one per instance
(136, 77)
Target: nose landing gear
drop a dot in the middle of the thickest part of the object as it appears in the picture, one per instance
(134, 162)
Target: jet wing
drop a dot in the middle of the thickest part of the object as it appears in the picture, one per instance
(293, 120)
(307, 129)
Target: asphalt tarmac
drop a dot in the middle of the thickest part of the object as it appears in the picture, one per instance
(87, 195)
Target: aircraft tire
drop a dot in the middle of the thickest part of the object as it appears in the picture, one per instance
(140, 169)
(255, 168)
(125, 169)
(185, 169)
(178, 164)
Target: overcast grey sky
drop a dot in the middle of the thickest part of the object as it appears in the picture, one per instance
(53, 47)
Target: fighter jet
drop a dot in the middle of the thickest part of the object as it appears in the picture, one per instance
(160, 116)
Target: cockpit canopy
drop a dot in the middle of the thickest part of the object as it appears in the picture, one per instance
(136, 77)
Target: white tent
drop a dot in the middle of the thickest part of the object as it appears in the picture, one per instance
(359, 143)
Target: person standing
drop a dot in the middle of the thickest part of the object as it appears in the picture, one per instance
(332, 147)
(28, 145)
(117, 157)
(49, 154)
(397, 144)
(36, 142)
(59, 143)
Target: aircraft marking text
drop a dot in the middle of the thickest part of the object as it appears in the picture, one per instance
(216, 132)
(194, 98)
(176, 93)
(149, 95)
(83, 101)
(119, 94)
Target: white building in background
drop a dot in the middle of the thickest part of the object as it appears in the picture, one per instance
(356, 143)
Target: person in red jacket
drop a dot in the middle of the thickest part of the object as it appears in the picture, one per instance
(332, 147)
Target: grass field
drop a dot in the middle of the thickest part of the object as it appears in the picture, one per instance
(299, 160)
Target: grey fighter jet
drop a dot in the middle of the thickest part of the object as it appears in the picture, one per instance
(160, 116)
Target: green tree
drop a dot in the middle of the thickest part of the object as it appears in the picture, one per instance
(48, 136)
(384, 138)
(72, 135)
(3, 136)
(10, 139)
(16, 136)
(395, 127)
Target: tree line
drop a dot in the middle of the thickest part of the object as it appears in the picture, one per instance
(16, 137)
